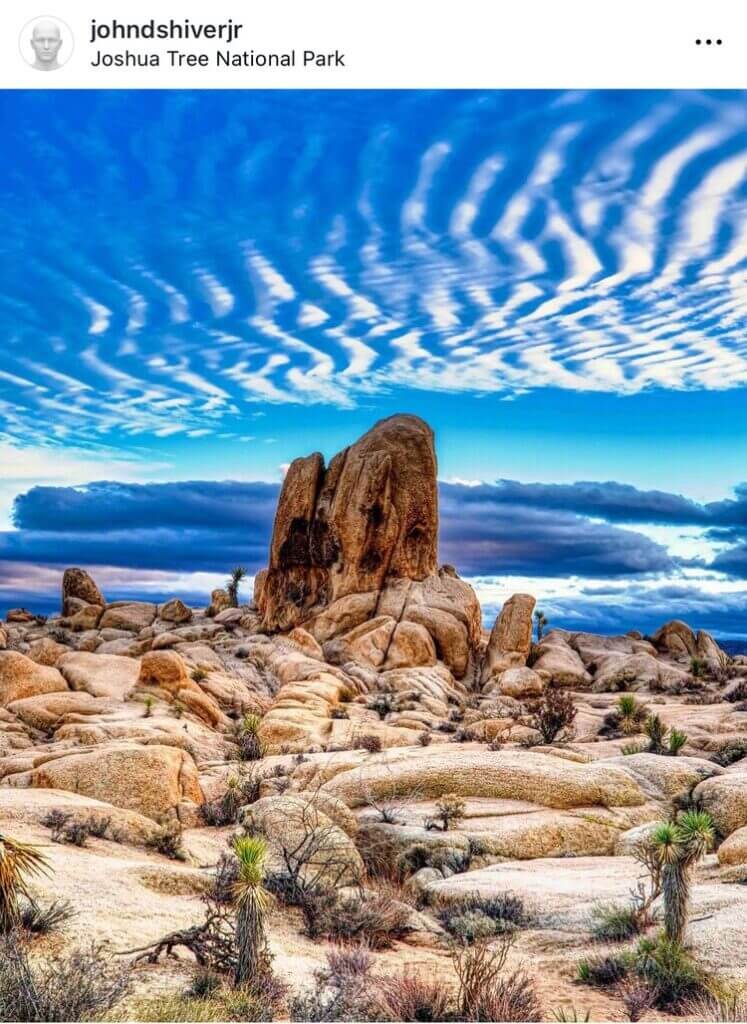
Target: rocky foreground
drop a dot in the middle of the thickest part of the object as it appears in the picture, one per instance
(352, 706)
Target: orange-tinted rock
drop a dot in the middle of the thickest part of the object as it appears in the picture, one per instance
(77, 583)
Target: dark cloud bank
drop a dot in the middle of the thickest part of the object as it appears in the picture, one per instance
(507, 528)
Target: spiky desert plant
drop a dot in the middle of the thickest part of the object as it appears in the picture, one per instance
(679, 846)
(541, 622)
(19, 862)
(251, 906)
(631, 713)
(656, 732)
(234, 582)
(675, 741)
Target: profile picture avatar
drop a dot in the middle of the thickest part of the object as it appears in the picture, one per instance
(46, 43)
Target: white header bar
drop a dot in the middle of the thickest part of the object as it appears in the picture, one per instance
(382, 44)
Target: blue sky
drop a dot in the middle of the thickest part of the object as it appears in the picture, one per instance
(198, 287)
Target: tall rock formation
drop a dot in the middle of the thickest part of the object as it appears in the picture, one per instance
(369, 517)
(356, 542)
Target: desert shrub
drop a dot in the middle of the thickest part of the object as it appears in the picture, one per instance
(632, 714)
(167, 840)
(729, 753)
(98, 826)
(374, 918)
(339, 712)
(484, 994)
(241, 789)
(605, 970)
(368, 742)
(341, 991)
(553, 716)
(65, 829)
(410, 996)
(465, 735)
(425, 738)
(570, 1015)
(412, 859)
(614, 922)
(72, 987)
(729, 1006)
(204, 983)
(636, 996)
(246, 737)
(450, 810)
(671, 971)
(475, 916)
(199, 674)
(450, 861)
(737, 693)
(513, 998)
(698, 667)
(675, 742)
(43, 920)
(381, 703)
(632, 748)
(656, 732)
(226, 1004)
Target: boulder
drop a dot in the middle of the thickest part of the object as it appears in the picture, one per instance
(725, 799)
(559, 664)
(130, 615)
(100, 675)
(47, 711)
(733, 850)
(3, 638)
(708, 650)
(175, 611)
(519, 683)
(78, 584)
(511, 636)
(370, 516)
(540, 778)
(676, 639)
(301, 638)
(155, 781)
(219, 601)
(617, 671)
(21, 616)
(21, 677)
(164, 674)
(82, 616)
(46, 651)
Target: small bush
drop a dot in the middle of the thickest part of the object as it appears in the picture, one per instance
(465, 735)
(43, 920)
(671, 971)
(413, 997)
(636, 996)
(199, 674)
(613, 922)
(342, 990)
(730, 753)
(382, 704)
(553, 716)
(513, 998)
(475, 916)
(204, 983)
(339, 712)
(602, 971)
(729, 1006)
(77, 986)
(633, 748)
(737, 693)
(450, 811)
(675, 742)
(656, 732)
(65, 829)
(424, 738)
(368, 742)
(374, 918)
(168, 841)
(246, 737)
(98, 826)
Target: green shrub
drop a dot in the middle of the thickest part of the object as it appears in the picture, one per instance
(167, 841)
(613, 922)
(475, 916)
(602, 971)
(670, 971)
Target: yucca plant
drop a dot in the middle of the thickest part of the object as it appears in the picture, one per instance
(234, 582)
(656, 732)
(632, 714)
(675, 742)
(19, 862)
(251, 906)
(679, 846)
(541, 620)
(248, 739)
